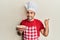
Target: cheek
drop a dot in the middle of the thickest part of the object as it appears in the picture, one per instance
(33, 15)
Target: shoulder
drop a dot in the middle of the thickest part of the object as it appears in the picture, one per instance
(38, 20)
(24, 20)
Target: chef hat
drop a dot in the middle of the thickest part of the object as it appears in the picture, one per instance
(31, 6)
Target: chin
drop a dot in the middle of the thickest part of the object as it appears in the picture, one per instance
(30, 19)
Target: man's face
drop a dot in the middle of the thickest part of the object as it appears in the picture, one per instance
(30, 14)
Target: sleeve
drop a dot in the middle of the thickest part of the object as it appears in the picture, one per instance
(21, 22)
(41, 25)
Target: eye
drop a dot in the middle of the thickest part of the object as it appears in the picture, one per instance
(32, 12)
(27, 12)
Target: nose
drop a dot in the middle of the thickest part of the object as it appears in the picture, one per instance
(29, 14)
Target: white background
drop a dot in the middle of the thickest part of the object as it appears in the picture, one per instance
(12, 12)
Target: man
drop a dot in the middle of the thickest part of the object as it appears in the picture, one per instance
(33, 26)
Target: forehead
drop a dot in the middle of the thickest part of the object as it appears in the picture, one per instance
(30, 11)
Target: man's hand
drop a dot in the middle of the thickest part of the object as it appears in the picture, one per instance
(46, 22)
(46, 30)
(21, 28)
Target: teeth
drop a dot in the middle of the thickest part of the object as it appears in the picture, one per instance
(30, 18)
